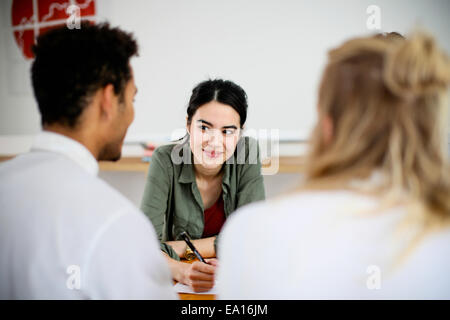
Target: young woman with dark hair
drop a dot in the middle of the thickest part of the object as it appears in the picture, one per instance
(195, 185)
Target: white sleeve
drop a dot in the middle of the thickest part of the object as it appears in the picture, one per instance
(125, 261)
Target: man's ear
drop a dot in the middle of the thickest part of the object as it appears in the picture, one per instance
(107, 101)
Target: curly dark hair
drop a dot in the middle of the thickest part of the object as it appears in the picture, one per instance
(72, 64)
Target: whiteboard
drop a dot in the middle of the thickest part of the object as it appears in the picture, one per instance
(274, 49)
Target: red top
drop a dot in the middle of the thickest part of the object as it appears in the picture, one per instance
(214, 218)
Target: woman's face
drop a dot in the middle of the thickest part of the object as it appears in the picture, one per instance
(214, 132)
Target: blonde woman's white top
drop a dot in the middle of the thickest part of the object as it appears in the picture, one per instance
(329, 245)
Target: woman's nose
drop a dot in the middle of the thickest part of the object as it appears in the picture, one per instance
(214, 136)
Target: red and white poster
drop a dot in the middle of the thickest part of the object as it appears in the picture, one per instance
(33, 17)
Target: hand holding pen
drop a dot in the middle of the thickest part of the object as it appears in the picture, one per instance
(184, 235)
(199, 274)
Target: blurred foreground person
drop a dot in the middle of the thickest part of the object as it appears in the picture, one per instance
(372, 218)
(65, 233)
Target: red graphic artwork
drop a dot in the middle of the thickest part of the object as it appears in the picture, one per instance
(33, 17)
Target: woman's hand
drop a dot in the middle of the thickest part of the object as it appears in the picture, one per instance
(205, 246)
(200, 276)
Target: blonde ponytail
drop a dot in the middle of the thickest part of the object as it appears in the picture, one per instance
(416, 67)
(386, 102)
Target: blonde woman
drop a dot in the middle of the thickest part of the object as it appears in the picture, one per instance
(372, 219)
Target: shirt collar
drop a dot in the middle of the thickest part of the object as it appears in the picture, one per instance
(375, 180)
(58, 143)
(187, 174)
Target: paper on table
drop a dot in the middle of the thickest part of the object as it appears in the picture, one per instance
(182, 288)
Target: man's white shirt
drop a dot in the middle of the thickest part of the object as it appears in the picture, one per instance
(66, 234)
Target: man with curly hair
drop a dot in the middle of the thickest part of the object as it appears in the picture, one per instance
(65, 233)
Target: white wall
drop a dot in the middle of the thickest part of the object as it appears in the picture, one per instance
(275, 49)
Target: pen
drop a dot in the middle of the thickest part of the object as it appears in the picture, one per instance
(187, 239)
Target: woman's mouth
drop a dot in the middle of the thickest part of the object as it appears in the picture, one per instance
(212, 154)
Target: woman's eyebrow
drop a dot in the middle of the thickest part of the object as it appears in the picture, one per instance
(230, 127)
(205, 122)
(211, 125)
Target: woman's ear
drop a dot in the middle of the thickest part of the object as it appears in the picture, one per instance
(327, 129)
(188, 126)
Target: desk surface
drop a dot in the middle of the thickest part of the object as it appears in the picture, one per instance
(193, 296)
(286, 164)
